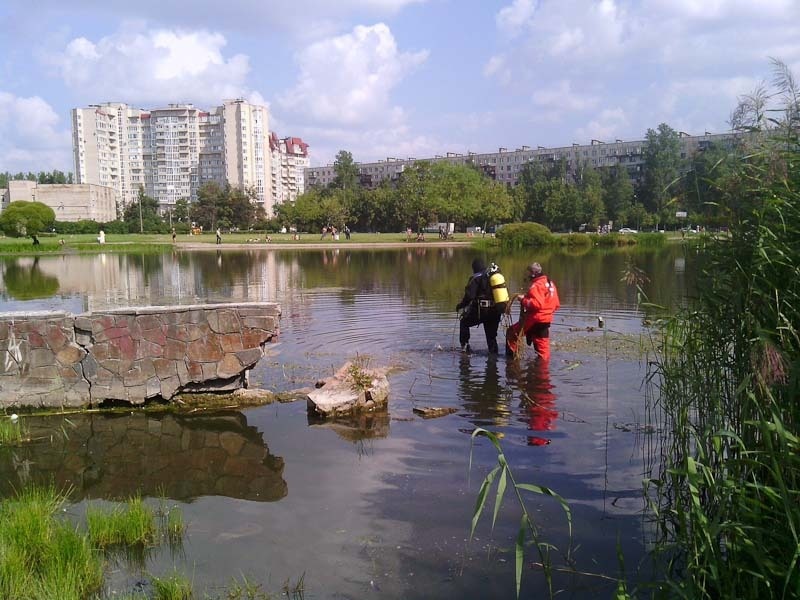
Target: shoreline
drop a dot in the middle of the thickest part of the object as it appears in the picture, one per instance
(299, 245)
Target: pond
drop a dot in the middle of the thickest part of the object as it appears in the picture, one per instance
(382, 505)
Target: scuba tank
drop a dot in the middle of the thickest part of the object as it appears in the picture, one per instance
(498, 284)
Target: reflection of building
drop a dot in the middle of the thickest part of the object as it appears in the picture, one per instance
(116, 456)
(70, 201)
(171, 151)
(289, 161)
(505, 166)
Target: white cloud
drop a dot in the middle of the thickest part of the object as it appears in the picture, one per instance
(348, 79)
(31, 136)
(609, 125)
(513, 18)
(155, 66)
(559, 98)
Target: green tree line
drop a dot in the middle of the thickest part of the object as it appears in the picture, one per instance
(54, 176)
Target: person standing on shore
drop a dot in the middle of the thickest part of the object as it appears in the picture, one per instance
(538, 305)
(219, 236)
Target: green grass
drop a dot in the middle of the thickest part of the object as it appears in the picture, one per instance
(42, 557)
(172, 587)
(12, 432)
(129, 525)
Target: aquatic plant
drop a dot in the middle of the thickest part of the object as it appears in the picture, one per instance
(126, 525)
(42, 557)
(527, 528)
(172, 587)
(12, 431)
(358, 374)
(726, 498)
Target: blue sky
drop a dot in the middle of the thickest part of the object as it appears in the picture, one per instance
(392, 77)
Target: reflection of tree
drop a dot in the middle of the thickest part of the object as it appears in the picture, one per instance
(180, 456)
(29, 283)
(538, 399)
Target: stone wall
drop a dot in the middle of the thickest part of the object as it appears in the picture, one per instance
(131, 354)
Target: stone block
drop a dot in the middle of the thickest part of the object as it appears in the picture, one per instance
(148, 322)
(209, 371)
(204, 350)
(253, 339)
(231, 342)
(175, 350)
(101, 323)
(153, 387)
(134, 377)
(183, 372)
(155, 336)
(228, 367)
(148, 349)
(228, 322)
(195, 370)
(196, 332)
(83, 323)
(70, 355)
(36, 340)
(126, 346)
(169, 387)
(56, 337)
(165, 368)
(41, 357)
(112, 333)
(262, 322)
(250, 357)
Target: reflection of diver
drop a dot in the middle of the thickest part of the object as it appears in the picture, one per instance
(538, 398)
(482, 396)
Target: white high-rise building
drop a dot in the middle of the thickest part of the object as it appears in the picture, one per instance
(170, 152)
(289, 162)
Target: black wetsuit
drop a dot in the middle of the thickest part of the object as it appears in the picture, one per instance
(480, 310)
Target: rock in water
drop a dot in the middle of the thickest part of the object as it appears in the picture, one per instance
(352, 389)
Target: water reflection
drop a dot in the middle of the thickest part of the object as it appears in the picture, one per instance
(532, 378)
(355, 428)
(114, 456)
(24, 282)
(485, 400)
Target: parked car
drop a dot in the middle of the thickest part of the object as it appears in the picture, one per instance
(628, 230)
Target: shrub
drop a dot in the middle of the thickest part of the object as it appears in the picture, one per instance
(524, 235)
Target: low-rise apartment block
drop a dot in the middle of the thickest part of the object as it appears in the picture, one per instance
(506, 165)
(70, 201)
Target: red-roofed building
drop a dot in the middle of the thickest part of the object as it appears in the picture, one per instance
(289, 161)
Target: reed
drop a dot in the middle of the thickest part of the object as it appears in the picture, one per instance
(13, 432)
(41, 556)
(132, 524)
(726, 498)
(172, 587)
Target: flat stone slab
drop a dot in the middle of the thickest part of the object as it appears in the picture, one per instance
(352, 389)
(432, 412)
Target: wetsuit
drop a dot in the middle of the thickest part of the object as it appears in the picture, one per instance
(479, 309)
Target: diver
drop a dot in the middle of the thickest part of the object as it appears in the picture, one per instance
(484, 303)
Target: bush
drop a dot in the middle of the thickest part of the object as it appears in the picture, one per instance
(524, 235)
(577, 240)
(77, 227)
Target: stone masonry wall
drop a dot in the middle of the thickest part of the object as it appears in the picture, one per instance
(130, 354)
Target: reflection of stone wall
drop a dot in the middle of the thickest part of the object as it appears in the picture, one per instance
(130, 354)
(115, 456)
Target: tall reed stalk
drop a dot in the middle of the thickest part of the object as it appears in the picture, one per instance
(725, 389)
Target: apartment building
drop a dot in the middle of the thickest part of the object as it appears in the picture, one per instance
(171, 151)
(505, 166)
(69, 201)
(289, 161)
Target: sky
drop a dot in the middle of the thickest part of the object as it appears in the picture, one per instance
(399, 78)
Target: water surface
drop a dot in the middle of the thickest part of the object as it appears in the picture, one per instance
(378, 506)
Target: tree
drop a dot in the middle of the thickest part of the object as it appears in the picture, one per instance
(617, 193)
(181, 211)
(142, 215)
(346, 171)
(592, 208)
(662, 162)
(23, 218)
